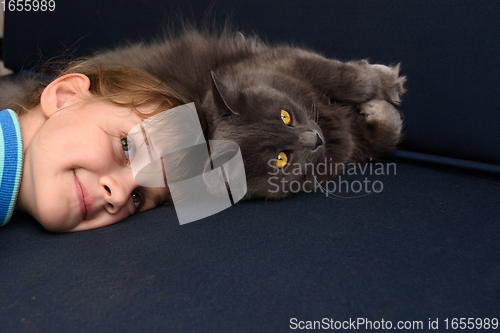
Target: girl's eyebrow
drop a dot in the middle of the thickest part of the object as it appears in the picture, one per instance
(157, 200)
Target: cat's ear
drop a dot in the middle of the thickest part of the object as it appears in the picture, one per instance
(222, 96)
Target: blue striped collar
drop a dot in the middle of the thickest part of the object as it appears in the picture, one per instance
(11, 161)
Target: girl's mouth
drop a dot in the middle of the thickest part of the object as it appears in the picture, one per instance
(83, 197)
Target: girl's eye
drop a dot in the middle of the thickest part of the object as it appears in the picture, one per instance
(137, 199)
(285, 116)
(125, 147)
(128, 148)
(282, 160)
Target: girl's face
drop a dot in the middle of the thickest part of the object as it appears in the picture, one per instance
(76, 174)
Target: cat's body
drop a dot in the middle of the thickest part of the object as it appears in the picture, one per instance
(339, 112)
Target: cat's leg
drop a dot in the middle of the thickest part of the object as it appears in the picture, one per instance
(383, 116)
(354, 81)
(392, 85)
(379, 130)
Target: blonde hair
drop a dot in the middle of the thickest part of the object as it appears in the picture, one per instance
(122, 86)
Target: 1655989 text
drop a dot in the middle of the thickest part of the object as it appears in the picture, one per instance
(28, 5)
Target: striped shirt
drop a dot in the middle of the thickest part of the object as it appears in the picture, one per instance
(11, 161)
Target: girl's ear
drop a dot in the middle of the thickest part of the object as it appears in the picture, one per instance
(63, 91)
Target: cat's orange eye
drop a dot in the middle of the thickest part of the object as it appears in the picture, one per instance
(285, 116)
(282, 160)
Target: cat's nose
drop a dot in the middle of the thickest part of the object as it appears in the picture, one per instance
(319, 141)
(310, 139)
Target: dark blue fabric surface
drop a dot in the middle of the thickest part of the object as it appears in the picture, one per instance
(483, 170)
(449, 50)
(427, 246)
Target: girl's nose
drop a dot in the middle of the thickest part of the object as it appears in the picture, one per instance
(117, 191)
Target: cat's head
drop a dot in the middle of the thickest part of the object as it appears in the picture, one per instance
(274, 121)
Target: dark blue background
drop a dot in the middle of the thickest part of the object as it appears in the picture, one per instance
(449, 50)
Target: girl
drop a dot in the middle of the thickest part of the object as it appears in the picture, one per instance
(75, 172)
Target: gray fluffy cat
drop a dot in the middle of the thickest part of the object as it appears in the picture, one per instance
(287, 108)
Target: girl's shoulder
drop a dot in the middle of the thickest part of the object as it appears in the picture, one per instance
(11, 161)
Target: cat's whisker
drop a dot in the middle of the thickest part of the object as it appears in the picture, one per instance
(315, 113)
(312, 113)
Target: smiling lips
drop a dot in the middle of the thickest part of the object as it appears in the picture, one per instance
(83, 197)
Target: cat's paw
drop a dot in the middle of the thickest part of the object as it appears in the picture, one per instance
(392, 85)
(382, 115)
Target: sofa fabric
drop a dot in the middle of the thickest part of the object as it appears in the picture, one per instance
(425, 247)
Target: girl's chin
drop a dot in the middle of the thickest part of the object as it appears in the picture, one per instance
(59, 224)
